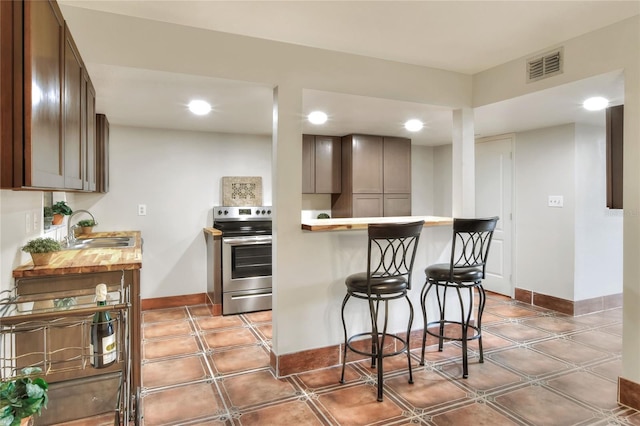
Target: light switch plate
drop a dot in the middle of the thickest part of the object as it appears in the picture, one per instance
(556, 200)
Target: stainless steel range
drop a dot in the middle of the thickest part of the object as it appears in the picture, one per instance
(246, 257)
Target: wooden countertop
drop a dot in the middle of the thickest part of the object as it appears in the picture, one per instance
(213, 232)
(351, 223)
(89, 260)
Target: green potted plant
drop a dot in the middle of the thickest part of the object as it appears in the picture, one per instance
(22, 397)
(60, 210)
(47, 213)
(87, 225)
(41, 250)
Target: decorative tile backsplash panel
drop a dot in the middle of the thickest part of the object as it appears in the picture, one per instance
(242, 191)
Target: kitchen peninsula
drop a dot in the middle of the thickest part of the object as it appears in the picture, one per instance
(330, 250)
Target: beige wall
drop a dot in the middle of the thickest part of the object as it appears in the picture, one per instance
(310, 268)
(616, 47)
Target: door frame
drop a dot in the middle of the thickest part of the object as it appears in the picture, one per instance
(513, 215)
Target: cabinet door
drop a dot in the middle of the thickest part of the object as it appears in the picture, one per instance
(397, 165)
(397, 205)
(367, 205)
(8, 150)
(308, 164)
(367, 154)
(89, 133)
(102, 153)
(43, 46)
(328, 165)
(74, 155)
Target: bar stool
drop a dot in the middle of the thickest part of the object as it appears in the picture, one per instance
(465, 271)
(390, 255)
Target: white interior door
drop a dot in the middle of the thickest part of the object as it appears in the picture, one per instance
(494, 183)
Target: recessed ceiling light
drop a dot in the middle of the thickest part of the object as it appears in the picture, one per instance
(596, 103)
(413, 125)
(317, 117)
(199, 107)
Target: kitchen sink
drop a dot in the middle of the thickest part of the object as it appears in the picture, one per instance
(102, 242)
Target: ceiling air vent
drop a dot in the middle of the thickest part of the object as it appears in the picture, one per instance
(545, 65)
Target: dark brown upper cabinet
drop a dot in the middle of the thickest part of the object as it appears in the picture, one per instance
(321, 164)
(48, 104)
(614, 142)
(74, 139)
(89, 133)
(102, 153)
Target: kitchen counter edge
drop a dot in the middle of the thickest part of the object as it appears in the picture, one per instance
(213, 232)
(356, 223)
(89, 260)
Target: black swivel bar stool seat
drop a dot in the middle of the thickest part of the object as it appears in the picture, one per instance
(465, 271)
(391, 251)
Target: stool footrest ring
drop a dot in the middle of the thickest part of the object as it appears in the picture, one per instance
(370, 354)
(476, 331)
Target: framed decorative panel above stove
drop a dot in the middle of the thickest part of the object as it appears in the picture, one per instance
(241, 191)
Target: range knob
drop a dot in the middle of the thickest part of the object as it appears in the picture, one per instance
(268, 211)
(264, 211)
(226, 212)
(219, 212)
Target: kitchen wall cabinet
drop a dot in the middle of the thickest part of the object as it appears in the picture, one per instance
(43, 32)
(102, 153)
(321, 164)
(89, 133)
(47, 106)
(74, 90)
(397, 205)
(376, 177)
(397, 165)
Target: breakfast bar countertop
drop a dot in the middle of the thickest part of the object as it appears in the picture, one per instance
(89, 259)
(354, 223)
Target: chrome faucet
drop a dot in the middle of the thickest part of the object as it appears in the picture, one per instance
(71, 229)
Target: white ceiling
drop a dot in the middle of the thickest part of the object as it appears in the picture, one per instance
(463, 36)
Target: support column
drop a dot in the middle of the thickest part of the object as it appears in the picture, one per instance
(463, 198)
(286, 176)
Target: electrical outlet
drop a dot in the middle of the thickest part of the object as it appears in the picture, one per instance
(556, 200)
(142, 209)
(36, 220)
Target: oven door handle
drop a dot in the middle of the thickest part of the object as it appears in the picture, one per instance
(244, 241)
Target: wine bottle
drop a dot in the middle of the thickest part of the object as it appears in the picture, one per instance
(103, 335)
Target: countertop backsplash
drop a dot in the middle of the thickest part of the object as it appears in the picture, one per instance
(313, 214)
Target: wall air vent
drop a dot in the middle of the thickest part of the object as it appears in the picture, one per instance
(545, 65)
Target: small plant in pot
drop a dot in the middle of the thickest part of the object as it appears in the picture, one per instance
(87, 225)
(47, 213)
(60, 210)
(41, 250)
(22, 397)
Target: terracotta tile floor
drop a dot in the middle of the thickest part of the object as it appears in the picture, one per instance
(541, 368)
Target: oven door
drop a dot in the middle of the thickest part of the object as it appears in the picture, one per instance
(246, 263)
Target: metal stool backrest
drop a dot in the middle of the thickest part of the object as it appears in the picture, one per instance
(392, 250)
(471, 242)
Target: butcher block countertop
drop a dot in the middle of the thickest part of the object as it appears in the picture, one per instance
(90, 259)
(353, 223)
(213, 232)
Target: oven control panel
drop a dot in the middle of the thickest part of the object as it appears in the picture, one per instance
(242, 213)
